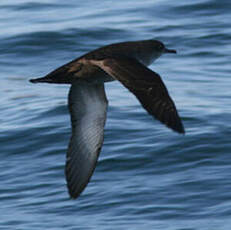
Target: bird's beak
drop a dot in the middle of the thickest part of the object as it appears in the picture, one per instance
(169, 51)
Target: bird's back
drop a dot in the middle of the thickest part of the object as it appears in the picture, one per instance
(143, 51)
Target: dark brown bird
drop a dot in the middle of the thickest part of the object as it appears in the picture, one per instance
(125, 62)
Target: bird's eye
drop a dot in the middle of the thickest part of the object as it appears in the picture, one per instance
(160, 46)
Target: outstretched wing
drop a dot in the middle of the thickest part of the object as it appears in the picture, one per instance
(88, 107)
(147, 87)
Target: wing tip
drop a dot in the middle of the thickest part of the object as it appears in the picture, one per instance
(180, 131)
(73, 195)
(74, 191)
(179, 128)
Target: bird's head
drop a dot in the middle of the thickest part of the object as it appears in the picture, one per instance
(160, 48)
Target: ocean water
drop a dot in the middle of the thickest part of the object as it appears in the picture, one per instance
(147, 176)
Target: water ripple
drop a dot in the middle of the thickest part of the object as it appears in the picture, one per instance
(147, 176)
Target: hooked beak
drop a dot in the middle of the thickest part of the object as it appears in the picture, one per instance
(169, 51)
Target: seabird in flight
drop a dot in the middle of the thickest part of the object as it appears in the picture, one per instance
(126, 62)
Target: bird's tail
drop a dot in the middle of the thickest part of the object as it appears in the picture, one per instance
(53, 78)
(41, 80)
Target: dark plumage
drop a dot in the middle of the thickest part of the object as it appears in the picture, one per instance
(125, 62)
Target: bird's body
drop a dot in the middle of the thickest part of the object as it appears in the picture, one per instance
(81, 68)
(125, 62)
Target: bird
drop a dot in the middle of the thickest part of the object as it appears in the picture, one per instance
(127, 63)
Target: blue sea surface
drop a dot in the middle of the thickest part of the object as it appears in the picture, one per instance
(147, 176)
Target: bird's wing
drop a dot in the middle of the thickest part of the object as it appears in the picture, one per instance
(147, 86)
(88, 106)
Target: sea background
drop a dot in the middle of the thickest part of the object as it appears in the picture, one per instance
(147, 176)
